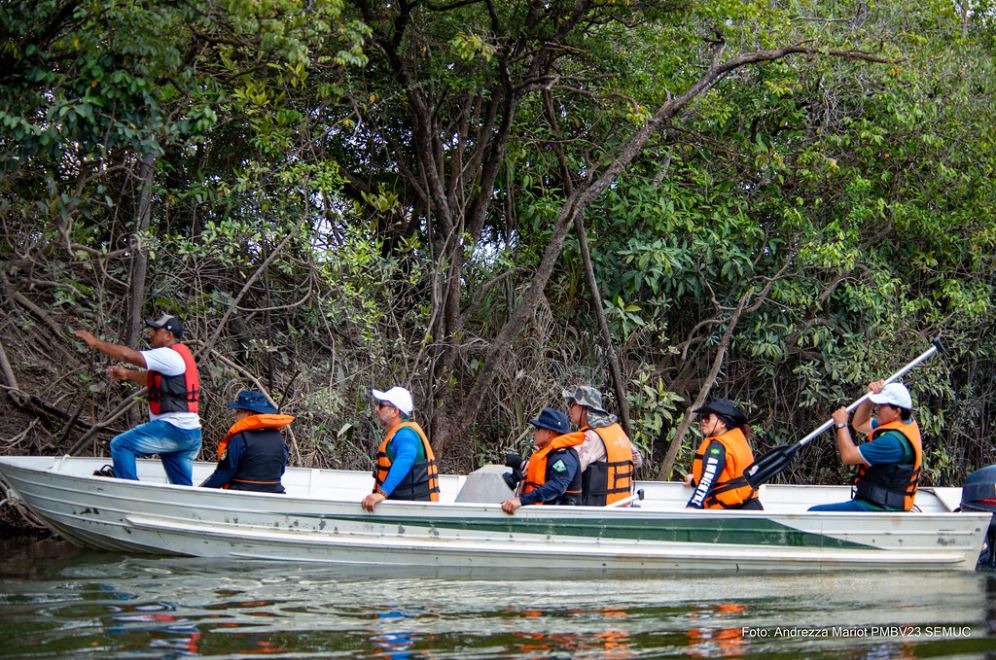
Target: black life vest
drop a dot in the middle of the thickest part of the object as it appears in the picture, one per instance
(262, 464)
(892, 485)
(179, 393)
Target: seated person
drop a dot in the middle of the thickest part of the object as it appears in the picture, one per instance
(253, 454)
(719, 463)
(406, 467)
(889, 463)
(553, 472)
(608, 458)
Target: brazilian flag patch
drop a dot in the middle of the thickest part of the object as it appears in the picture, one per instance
(714, 450)
(559, 466)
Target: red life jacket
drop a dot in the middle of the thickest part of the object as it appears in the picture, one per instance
(892, 485)
(179, 393)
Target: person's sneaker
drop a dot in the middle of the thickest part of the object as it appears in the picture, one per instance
(106, 471)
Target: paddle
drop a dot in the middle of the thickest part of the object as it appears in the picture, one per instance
(776, 460)
(638, 495)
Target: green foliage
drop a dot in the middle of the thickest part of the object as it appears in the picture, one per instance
(848, 205)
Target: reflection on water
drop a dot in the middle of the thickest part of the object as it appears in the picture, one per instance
(57, 602)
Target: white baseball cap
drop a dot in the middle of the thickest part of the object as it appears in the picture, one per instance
(398, 397)
(893, 394)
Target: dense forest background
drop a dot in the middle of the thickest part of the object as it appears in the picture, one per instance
(488, 200)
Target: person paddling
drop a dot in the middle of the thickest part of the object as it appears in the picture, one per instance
(718, 466)
(252, 455)
(174, 427)
(888, 465)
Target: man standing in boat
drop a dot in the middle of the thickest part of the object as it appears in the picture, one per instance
(406, 467)
(253, 454)
(607, 457)
(174, 427)
(553, 472)
(889, 463)
(719, 463)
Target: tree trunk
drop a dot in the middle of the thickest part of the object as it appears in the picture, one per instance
(615, 370)
(710, 380)
(140, 259)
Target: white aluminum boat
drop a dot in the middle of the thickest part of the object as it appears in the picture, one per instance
(320, 520)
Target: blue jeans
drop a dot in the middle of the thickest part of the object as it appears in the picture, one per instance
(177, 449)
(852, 505)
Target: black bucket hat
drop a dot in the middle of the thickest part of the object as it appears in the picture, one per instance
(725, 409)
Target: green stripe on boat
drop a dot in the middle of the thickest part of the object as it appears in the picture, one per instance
(743, 531)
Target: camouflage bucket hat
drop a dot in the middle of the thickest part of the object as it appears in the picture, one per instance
(586, 396)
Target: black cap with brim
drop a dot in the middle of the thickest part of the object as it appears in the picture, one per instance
(168, 322)
(726, 409)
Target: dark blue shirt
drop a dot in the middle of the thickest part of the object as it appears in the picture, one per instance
(713, 464)
(557, 481)
(229, 466)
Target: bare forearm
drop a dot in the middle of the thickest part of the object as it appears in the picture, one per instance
(119, 352)
(849, 454)
(137, 377)
(862, 417)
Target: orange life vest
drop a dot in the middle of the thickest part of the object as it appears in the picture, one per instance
(609, 481)
(730, 489)
(536, 469)
(179, 393)
(253, 423)
(892, 485)
(422, 481)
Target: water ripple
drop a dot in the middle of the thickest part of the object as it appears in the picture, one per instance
(107, 605)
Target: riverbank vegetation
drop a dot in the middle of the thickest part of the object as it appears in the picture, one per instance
(485, 201)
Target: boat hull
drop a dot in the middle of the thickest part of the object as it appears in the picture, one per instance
(320, 520)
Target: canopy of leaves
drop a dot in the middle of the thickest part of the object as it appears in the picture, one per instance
(359, 194)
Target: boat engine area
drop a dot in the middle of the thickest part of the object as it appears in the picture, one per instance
(979, 494)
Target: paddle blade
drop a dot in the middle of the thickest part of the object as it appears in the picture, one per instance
(771, 464)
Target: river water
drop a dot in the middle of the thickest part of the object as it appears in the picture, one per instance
(57, 601)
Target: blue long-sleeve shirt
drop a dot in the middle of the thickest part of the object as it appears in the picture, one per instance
(404, 449)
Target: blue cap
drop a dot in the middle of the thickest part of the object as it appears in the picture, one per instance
(252, 401)
(552, 419)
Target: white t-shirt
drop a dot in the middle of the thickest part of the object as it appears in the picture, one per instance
(169, 363)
